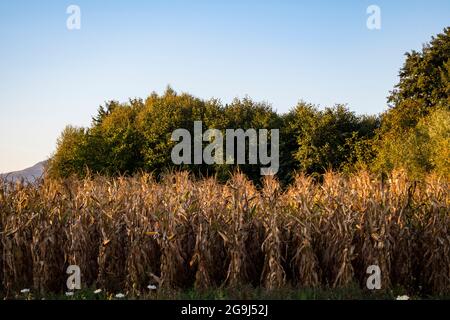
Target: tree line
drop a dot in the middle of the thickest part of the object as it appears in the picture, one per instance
(412, 134)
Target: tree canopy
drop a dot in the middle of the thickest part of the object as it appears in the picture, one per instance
(415, 127)
(412, 134)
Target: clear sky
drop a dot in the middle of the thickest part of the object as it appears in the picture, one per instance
(274, 51)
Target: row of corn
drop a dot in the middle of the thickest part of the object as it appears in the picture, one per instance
(126, 233)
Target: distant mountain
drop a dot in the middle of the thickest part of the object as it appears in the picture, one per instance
(29, 174)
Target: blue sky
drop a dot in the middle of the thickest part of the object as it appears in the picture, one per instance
(274, 51)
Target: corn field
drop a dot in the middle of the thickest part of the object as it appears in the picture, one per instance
(126, 233)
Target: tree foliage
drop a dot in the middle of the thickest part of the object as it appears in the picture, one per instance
(414, 131)
(412, 134)
(328, 139)
(423, 86)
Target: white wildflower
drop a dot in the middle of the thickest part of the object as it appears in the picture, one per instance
(98, 291)
(404, 297)
(120, 295)
(25, 291)
(69, 293)
(152, 287)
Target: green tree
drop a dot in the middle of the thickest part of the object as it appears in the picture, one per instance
(423, 86)
(246, 114)
(329, 139)
(164, 114)
(71, 156)
(420, 150)
(104, 111)
(417, 105)
(116, 143)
